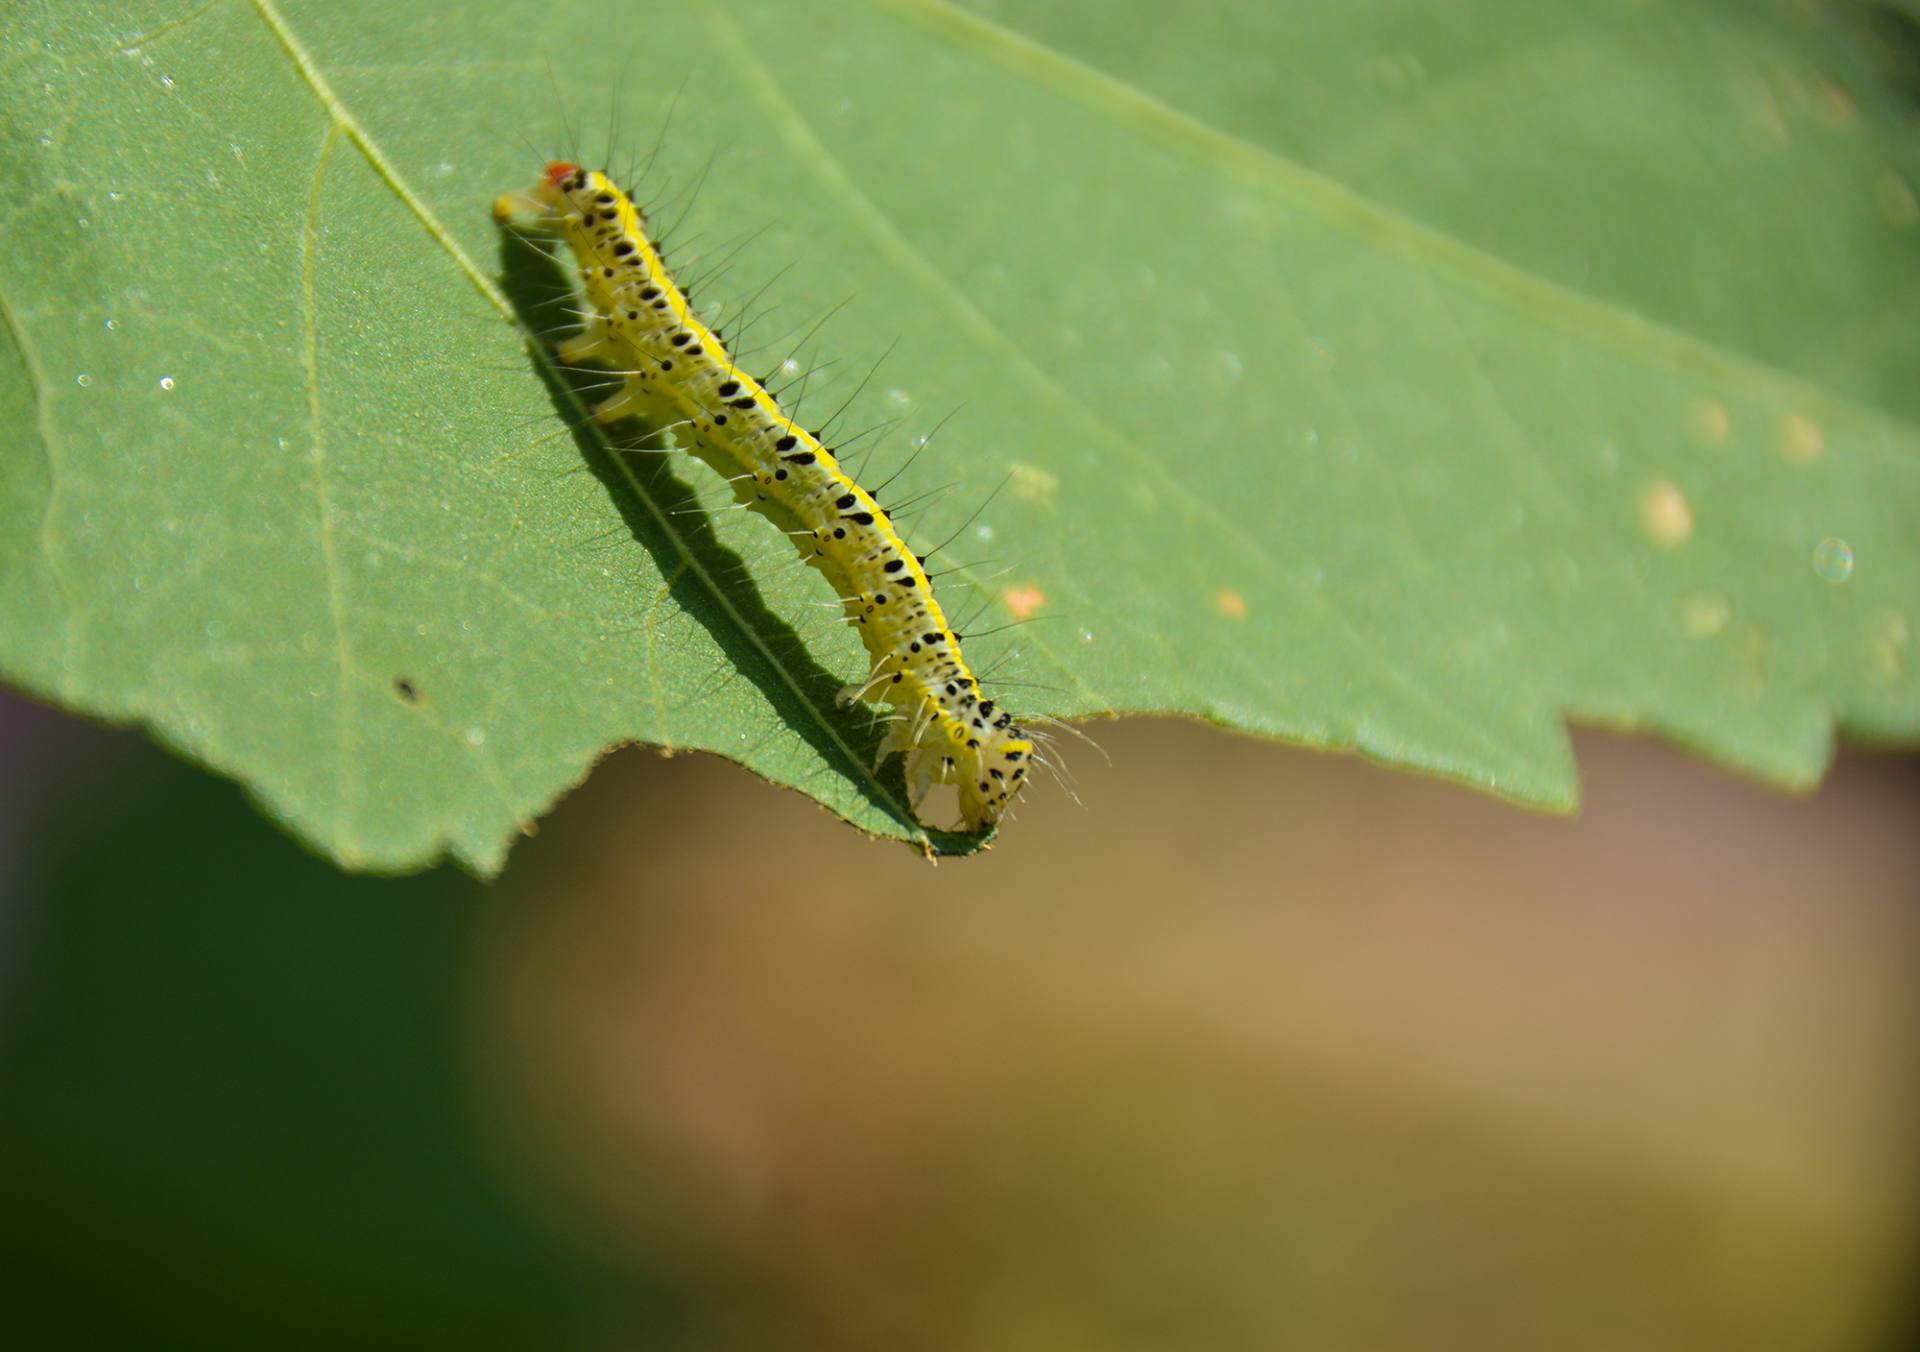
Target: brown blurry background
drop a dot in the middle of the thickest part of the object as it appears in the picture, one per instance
(1258, 1048)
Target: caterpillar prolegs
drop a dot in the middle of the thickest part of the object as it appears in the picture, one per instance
(643, 329)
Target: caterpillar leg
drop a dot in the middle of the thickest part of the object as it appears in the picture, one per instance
(626, 404)
(899, 738)
(908, 733)
(590, 344)
(921, 774)
(876, 689)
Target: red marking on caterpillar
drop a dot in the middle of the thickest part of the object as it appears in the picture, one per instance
(644, 329)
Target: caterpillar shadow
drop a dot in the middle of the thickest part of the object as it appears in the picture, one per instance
(664, 517)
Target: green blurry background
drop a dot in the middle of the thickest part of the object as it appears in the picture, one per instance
(1259, 1049)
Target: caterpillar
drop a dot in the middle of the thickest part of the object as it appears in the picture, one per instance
(642, 328)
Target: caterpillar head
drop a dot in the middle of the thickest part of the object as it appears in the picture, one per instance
(987, 770)
(998, 770)
(987, 774)
(546, 199)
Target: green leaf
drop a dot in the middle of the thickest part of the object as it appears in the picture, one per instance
(1359, 376)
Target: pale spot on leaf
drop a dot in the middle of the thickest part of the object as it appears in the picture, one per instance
(1033, 484)
(1704, 615)
(1665, 514)
(1023, 602)
(1230, 603)
(1892, 633)
(1709, 420)
(1799, 441)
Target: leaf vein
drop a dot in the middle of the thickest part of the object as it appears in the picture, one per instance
(49, 446)
(346, 731)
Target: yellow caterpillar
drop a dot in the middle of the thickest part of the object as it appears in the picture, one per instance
(644, 330)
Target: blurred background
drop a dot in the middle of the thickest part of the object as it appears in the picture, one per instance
(1258, 1049)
